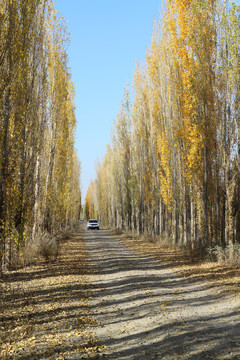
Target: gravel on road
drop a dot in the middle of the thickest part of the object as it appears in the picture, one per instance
(142, 309)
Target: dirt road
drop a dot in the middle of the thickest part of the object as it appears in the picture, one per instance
(143, 310)
(111, 303)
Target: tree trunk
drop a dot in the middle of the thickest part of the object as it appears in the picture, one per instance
(205, 196)
(36, 198)
(192, 223)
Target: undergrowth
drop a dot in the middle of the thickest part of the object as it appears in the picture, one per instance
(230, 255)
(44, 246)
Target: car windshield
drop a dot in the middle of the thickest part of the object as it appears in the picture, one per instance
(93, 221)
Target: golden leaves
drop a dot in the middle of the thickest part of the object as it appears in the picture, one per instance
(37, 122)
(183, 127)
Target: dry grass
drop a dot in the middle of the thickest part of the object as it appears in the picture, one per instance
(226, 278)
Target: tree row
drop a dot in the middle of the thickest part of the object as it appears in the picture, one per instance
(173, 166)
(39, 169)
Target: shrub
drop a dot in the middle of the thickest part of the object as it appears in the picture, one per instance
(118, 231)
(48, 247)
(230, 255)
(29, 254)
(43, 246)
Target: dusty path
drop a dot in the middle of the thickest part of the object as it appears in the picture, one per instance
(143, 310)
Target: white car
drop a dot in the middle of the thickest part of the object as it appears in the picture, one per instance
(92, 224)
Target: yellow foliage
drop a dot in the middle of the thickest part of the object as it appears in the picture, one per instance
(165, 153)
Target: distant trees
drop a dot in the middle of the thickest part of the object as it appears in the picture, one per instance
(39, 169)
(173, 167)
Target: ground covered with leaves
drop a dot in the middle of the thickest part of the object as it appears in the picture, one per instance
(119, 296)
(44, 309)
(225, 278)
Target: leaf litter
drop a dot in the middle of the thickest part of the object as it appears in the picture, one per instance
(43, 308)
(45, 313)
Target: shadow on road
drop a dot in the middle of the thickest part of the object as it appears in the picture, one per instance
(141, 308)
(146, 311)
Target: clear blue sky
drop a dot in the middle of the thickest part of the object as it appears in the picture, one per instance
(107, 38)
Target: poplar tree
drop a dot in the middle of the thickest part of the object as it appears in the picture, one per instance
(39, 170)
(182, 153)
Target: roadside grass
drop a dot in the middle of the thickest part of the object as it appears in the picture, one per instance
(225, 278)
(43, 307)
